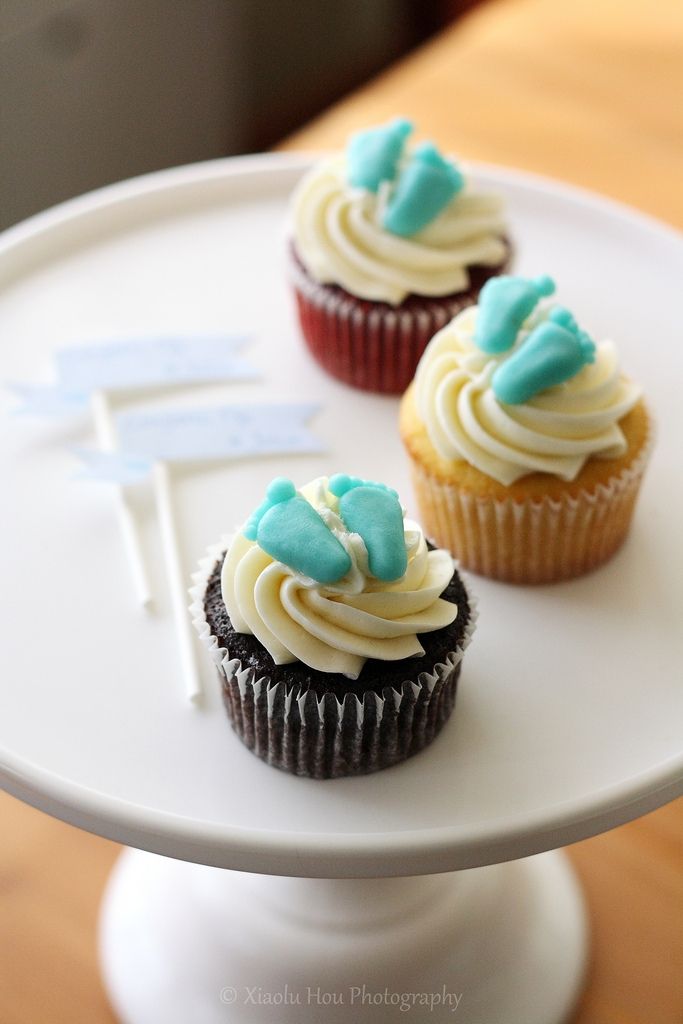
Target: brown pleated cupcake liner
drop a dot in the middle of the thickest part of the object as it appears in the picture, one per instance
(325, 737)
(370, 346)
(530, 541)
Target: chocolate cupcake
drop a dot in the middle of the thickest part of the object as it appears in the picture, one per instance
(337, 631)
(388, 242)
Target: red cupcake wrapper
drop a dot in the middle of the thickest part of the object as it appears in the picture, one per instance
(371, 345)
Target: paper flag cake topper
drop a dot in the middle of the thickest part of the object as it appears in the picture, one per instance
(135, 445)
(128, 364)
(202, 434)
(86, 376)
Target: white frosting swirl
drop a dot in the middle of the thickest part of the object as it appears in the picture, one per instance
(335, 628)
(339, 237)
(554, 432)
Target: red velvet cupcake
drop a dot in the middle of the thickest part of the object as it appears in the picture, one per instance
(388, 244)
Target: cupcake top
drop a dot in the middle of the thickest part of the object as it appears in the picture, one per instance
(332, 575)
(513, 386)
(388, 219)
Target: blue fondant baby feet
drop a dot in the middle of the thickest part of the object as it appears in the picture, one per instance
(289, 529)
(373, 155)
(554, 352)
(424, 188)
(340, 483)
(374, 512)
(504, 304)
(280, 489)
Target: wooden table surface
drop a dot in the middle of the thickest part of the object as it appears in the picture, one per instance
(590, 91)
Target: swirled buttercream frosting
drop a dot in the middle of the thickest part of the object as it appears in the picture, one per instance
(378, 585)
(341, 235)
(495, 410)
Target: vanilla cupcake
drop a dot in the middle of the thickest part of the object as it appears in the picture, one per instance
(337, 631)
(388, 242)
(527, 443)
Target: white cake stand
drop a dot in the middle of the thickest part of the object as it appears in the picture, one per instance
(568, 717)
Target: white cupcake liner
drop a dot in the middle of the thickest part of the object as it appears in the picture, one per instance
(532, 541)
(298, 732)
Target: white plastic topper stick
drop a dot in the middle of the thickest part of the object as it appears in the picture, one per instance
(176, 580)
(88, 374)
(105, 432)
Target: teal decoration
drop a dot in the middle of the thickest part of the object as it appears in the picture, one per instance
(288, 528)
(340, 483)
(505, 302)
(554, 352)
(280, 489)
(374, 512)
(373, 155)
(425, 186)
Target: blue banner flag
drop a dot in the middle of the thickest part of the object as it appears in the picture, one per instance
(204, 434)
(43, 400)
(112, 467)
(147, 362)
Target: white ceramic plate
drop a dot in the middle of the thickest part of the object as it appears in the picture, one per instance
(569, 712)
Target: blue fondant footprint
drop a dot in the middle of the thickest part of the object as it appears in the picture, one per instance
(424, 188)
(373, 155)
(504, 304)
(554, 352)
(289, 529)
(280, 489)
(373, 511)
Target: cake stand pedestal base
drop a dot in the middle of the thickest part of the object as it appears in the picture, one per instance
(182, 942)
